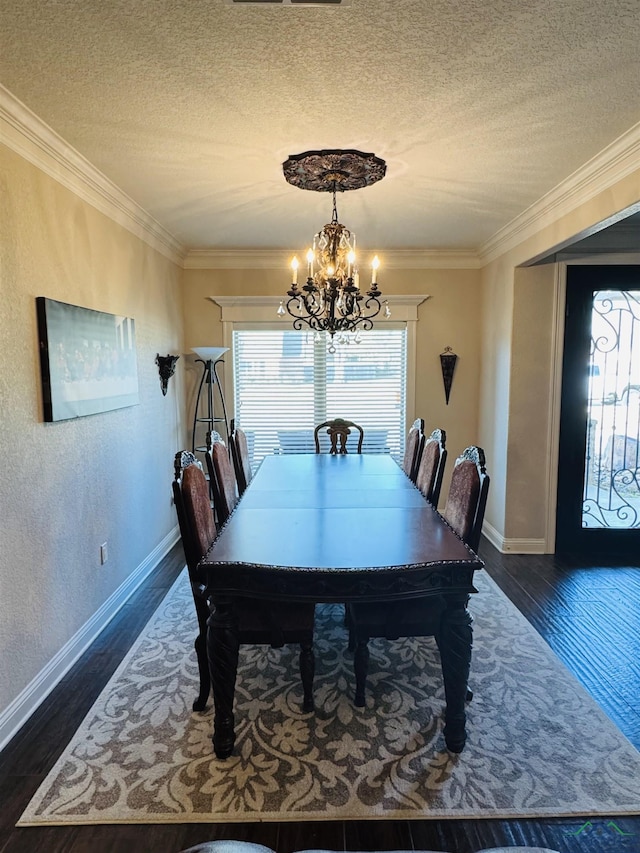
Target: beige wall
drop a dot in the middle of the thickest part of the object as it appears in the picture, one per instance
(529, 410)
(71, 485)
(450, 317)
(519, 349)
(497, 309)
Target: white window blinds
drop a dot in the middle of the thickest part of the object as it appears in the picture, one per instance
(286, 382)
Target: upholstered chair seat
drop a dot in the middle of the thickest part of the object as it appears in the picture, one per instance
(221, 477)
(413, 449)
(240, 456)
(431, 468)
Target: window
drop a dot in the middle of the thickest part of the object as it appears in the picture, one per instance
(286, 382)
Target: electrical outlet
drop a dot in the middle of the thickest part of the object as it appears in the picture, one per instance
(104, 554)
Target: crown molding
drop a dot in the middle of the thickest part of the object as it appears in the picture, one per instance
(278, 259)
(614, 163)
(27, 135)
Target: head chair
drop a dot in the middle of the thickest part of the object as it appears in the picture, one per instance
(413, 449)
(338, 429)
(467, 496)
(431, 469)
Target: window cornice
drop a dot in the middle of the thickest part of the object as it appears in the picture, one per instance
(261, 309)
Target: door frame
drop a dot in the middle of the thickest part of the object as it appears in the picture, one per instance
(555, 400)
(555, 378)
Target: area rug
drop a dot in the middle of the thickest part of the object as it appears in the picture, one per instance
(538, 745)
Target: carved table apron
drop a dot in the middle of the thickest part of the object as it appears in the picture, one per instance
(327, 528)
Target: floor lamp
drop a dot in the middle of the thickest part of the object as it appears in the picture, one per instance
(210, 358)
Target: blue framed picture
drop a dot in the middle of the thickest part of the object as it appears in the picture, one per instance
(87, 360)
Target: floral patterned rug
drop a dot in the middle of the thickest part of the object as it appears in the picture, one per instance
(538, 744)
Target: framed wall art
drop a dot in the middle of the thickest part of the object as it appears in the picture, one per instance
(87, 360)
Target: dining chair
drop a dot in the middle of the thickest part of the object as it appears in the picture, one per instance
(190, 487)
(413, 449)
(336, 429)
(221, 476)
(431, 468)
(259, 622)
(467, 498)
(240, 457)
(421, 617)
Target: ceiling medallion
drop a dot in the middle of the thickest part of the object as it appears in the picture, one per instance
(331, 300)
(342, 170)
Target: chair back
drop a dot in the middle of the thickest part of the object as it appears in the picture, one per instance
(467, 496)
(221, 476)
(240, 456)
(431, 469)
(193, 507)
(338, 430)
(413, 449)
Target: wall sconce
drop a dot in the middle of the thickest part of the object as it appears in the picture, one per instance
(166, 367)
(448, 360)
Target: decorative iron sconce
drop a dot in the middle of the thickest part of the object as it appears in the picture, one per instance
(448, 360)
(166, 367)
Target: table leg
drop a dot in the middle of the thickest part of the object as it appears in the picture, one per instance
(222, 650)
(455, 640)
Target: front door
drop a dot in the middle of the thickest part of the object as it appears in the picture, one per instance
(599, 463)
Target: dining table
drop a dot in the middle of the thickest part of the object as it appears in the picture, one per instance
(336, 528)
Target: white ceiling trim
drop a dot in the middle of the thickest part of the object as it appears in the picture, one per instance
(612, 164)
(278, 259)
(27, 135)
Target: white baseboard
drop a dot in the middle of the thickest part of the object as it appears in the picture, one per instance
(19, 711)
(523, 546)
(513, 546)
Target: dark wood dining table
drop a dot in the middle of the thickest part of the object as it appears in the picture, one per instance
(325, 528)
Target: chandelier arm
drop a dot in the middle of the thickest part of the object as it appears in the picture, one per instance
(351, 307)
(373, 305)
(300, 323)
(291, 306)
(366, 324)
(315, 308)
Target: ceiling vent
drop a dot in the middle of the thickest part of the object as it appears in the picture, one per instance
(288, 2)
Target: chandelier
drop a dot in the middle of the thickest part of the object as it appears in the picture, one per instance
(331, 300)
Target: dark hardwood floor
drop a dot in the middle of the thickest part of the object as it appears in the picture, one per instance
(588, 614)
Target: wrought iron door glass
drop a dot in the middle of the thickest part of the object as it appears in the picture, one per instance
(611, 492)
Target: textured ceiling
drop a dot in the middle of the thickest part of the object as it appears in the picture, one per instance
(479, 107)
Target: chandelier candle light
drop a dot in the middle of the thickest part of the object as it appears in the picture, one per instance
(331, 300)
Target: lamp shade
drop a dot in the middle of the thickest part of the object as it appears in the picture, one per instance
(210, 353)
